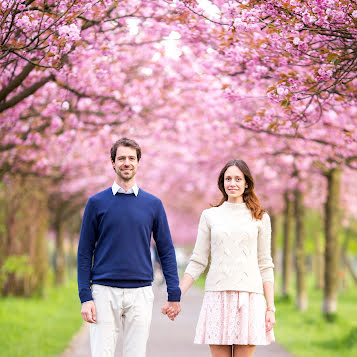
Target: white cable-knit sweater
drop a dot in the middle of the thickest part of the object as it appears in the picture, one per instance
(240, 248)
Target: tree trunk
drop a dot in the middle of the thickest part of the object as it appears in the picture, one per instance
(26, 217)
(287, 247)
(347, 265)
(301, 294)
(273, 219)
(318, 263)
(332, 225)
(11, 285)
(60, 262)
(29, 278)
(72, 255)
(41, 263)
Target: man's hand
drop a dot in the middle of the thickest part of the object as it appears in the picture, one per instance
(171, 309)
(88, 312)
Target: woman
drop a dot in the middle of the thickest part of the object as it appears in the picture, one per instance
(234, 317)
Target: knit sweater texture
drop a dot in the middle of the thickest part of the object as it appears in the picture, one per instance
(240, 248)
(114, 245)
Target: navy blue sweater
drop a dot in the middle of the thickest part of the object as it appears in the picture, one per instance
(114, 245)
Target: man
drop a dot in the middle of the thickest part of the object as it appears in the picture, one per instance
(114, 263)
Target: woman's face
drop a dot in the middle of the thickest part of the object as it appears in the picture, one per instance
(234, 184)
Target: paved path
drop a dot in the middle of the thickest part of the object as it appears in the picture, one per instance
(167, 338)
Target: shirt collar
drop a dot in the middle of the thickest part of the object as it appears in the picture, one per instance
(116, 188)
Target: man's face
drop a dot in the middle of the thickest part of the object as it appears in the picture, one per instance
(126, 162)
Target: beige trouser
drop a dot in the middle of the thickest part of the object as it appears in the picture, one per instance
(132, 307)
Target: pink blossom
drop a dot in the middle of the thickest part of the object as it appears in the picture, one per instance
(56, 123)
(23, 21)
(296, 41)
(65, 105)
(193, 111)
(71, 31)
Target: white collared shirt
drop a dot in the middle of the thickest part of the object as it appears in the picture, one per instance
(116, 188)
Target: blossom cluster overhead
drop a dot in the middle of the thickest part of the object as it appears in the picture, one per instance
(195, 82)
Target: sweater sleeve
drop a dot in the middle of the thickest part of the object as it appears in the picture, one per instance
(87, 240)
(199, 258)
(265, 260)
(166, 251)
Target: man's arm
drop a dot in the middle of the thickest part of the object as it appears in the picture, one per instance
(166, 251)
(86, 247)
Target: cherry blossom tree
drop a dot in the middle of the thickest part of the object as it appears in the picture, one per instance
(196, 84)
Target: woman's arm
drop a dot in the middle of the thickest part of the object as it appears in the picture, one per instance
(199, 258)
(266, 266)
(185, 283)
(265, 261)
(197, 264)
(270, 314)
(269, 294)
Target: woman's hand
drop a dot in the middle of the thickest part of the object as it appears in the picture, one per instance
(269, 320)
(171, 309)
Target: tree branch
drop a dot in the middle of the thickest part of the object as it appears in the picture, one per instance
(16, 81)
(25, 93)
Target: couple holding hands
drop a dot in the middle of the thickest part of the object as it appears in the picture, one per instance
(115, 270)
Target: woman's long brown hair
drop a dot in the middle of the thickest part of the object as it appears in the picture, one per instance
(249, 196)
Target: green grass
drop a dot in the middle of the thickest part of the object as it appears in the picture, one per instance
(308, 334)
(39, 327)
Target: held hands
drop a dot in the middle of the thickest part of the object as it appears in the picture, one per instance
(88, 312)
(269, 320)
(171, 309)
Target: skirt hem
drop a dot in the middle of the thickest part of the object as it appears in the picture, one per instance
(234, 344)
(233, 318)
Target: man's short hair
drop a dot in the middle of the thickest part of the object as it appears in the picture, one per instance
(125, 142)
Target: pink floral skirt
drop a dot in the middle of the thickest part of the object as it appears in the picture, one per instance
(233, 318)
